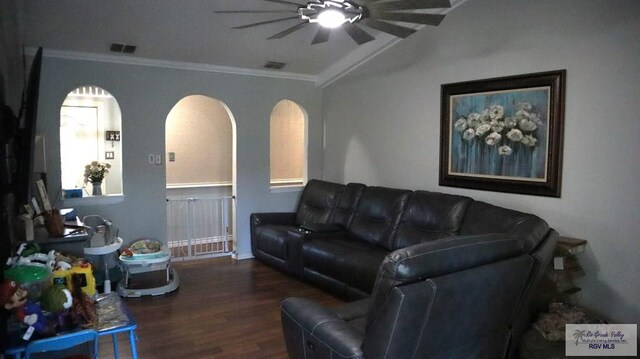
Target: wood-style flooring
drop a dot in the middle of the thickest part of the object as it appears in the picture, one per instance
(223, 309)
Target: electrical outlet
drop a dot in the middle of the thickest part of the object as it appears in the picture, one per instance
(152, 159)
(172, 156)
(158, 159)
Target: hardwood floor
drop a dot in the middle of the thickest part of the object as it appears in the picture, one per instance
(223, 309)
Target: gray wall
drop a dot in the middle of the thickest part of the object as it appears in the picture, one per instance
(383, 122)
(146, 95)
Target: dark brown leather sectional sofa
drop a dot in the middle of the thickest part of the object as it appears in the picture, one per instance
(356, 242)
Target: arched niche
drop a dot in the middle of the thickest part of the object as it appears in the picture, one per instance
(288, 144)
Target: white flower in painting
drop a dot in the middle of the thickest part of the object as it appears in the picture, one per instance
(537, 119)
(496, 112)
(510, 122)
(484, 116)
(497, 126)
(529, 140)
(482, 129)
(515, 135)
(527, 125)
(522, 114)
(493, 139)
(469, 134)
(460, 125)
(505, 150)
(473, 119)
(524, 106)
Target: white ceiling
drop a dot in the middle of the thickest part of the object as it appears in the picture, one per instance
(187, 33)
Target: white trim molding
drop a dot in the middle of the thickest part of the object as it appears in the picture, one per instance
(199, 185)
(140, 61)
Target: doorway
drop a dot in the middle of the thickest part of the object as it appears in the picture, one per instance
(200, 139)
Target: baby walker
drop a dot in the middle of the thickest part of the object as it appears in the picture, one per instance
(143, 256)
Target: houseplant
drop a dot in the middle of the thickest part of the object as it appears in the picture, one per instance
(94, 172)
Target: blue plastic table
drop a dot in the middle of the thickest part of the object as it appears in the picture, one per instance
(17, 350)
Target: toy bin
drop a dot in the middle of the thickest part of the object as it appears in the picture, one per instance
(32, 278)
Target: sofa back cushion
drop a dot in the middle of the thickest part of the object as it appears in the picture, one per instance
(378, 214)
(429, 216)
(437, 258)
(318, 201)
(346, 206)
(483, 218)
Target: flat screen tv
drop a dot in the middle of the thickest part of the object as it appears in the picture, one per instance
(26, 134)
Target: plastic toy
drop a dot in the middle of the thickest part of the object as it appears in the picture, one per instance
(63, 277)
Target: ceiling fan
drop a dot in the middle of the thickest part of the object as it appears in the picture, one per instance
(348, 14)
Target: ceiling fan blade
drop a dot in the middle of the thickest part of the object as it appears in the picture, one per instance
(357, 34)
(265, 22)
(253, 11)
(426, 19)
(288, 31)
(393, 29)
(409, 5)
(321, 36)
(285, 2)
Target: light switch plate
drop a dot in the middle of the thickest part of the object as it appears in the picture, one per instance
(158, 159)
(152, 159)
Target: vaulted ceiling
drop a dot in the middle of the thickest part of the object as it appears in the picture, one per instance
(191, 34)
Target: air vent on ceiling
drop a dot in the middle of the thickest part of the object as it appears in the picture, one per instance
(274, 65)
(123, 48)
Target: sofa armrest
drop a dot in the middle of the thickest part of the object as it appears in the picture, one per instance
(295, 240)
(281, 218)
(309, 327)
(302, 234)
(353, 310)
(262, 219)
(322, 227)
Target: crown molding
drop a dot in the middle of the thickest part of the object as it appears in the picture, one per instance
(354, 60)
(140, 61)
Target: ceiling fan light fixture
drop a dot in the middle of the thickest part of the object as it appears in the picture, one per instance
(331, 18)
(330, 13)
(380, 15)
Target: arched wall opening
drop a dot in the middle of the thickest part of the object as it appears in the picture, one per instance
(200, 140)
(90, 143)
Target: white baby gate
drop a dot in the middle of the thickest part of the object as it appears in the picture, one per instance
(198, 227)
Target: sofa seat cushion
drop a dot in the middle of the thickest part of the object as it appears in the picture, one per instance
(272, 239)
(352, 262)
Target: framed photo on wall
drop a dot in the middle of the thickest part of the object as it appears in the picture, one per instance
(504, 134)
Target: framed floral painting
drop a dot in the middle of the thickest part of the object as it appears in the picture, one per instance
(504, 134)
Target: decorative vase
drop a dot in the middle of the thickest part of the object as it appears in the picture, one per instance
(97, 188)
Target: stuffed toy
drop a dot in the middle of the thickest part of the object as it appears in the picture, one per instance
(14, 298)
(57, 300)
